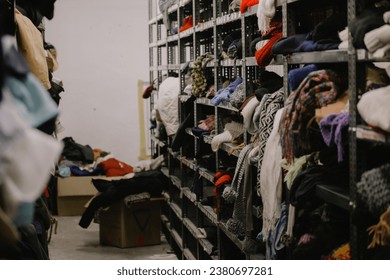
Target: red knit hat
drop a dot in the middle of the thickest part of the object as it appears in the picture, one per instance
(224, 179)
(245, 4)
(187, 23)
(264, 55)
(147, 92)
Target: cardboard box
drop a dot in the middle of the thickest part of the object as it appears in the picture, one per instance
(131, 226)
(74, 192)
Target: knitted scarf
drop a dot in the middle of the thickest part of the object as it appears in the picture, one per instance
(269, 105)
(241, 190)
(199, 80)
(265, 12)
(373, 189)
(293, 170)
(271, 179)
(230, 193)
(318, 89)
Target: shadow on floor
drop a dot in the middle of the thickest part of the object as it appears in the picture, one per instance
(75, 243)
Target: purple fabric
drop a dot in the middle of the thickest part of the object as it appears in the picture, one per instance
(332, 128)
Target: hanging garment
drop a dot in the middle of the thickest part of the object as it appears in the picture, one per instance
(32, 100)
(240, 193)
(164, 5)
(248, 109)
(168, 105)
(202, 77)
(26, 158)
(29, 247)
(30, 43)
(265, 13)
(269, 106)
(334, 129)
(270, 179)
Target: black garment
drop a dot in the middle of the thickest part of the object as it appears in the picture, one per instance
(269, 82)
(30, 248)
(27, 9)
(365, 22)
(113, 191)
(235, 49)
(329, 28)
(379, 253)
(229, 39)
(7, 18)
(328, 236)
(55, 91)
(49, 126)
(303, 187)
(36, 10)
(197, 185)
(303, 43)
(2, 70)
(182, 139)
(77, 152)
(252, 45)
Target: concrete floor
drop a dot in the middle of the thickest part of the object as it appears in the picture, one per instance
(75, 243)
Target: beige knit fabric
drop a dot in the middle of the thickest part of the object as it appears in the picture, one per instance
(30, 44)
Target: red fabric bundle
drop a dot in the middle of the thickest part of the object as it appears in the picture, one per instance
(224, 179)
(147, 92)
(264, 55)
(187, 23)
(245, 4)
(113, 167)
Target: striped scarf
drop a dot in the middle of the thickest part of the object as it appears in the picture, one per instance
(317, 90)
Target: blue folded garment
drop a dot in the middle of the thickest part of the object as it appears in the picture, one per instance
(224, 94)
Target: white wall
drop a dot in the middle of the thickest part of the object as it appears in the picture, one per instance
(102, 53)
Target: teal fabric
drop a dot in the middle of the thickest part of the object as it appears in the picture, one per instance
(32, 100)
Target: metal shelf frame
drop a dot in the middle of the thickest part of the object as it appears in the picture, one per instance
(168, 53)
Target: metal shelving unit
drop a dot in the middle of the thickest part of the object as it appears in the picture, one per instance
(169, 52)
